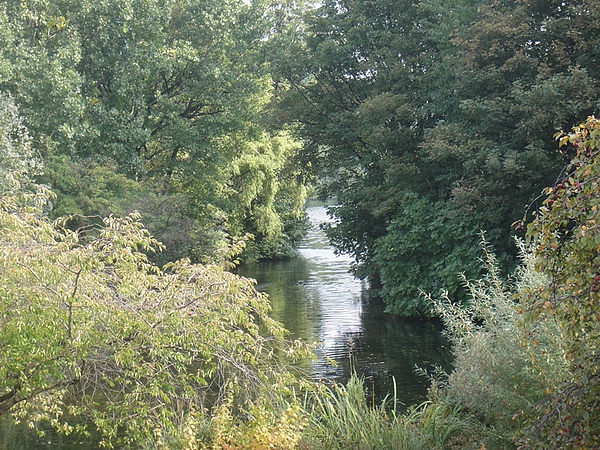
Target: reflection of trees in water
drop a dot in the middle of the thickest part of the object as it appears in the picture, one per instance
(316, 299)
(280, 279)
(389, 348)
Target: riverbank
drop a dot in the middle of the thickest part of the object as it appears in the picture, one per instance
(505, 364)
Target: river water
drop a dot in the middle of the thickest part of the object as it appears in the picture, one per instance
(318, 300)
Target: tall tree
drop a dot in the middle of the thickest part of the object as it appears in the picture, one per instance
(429, 123)
(141, 99)
(370, 83)
(39, 56)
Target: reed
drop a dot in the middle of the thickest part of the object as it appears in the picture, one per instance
(341, 418)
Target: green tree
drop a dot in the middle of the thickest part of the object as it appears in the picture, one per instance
(134, 105)
(17, 157)
(440, 243)
(452, 104)
(39, 54)
(565, 237)
(520, 80)
(89, 327)
(170, 87)
(269, 196)
(362, 91)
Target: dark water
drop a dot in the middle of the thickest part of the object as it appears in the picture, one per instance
(318, 300)
(21, 437)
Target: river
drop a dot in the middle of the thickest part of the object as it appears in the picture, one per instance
(318, 300)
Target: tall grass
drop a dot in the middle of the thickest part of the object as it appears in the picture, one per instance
(341, 418)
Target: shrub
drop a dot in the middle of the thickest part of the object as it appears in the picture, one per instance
(565, 237)
(504, 363)
(90, 327)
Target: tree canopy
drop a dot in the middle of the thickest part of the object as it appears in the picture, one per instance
(90, 327)
(430, 122)
(151, 105)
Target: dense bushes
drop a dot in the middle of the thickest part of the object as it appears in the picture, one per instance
(504, 363)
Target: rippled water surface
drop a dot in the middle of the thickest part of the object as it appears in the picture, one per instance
(317, 299)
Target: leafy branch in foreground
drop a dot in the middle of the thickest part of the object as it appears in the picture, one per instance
(88, 326)
(565, 236)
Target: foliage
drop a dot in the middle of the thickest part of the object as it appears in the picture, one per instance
(444, 245)
(266, 427)
(341, 418)
(16, 154)
(566, 240)
(89, 327)
(40, 53)
(269, 197)
(452, 104)
(504, 363)
(152, 103)
(90, 191)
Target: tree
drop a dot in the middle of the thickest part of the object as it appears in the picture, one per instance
(86, 320)
(41, 51)
(438, 242)
(451, 105)
(269, 196)
(142, 100)
(565, 237)
(17, 157)
(362, 92)
(89, 327)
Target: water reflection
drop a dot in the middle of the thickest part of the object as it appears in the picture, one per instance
(317, 299)
(21, 437)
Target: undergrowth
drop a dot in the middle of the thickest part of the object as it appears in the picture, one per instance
(505, 366)
(505, 363)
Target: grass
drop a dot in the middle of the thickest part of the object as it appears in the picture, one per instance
(341, 418)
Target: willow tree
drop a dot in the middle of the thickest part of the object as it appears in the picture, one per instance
(90, 328)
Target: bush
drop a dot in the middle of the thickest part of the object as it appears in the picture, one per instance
(565, 237)
(504, 363)
(90, 327)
